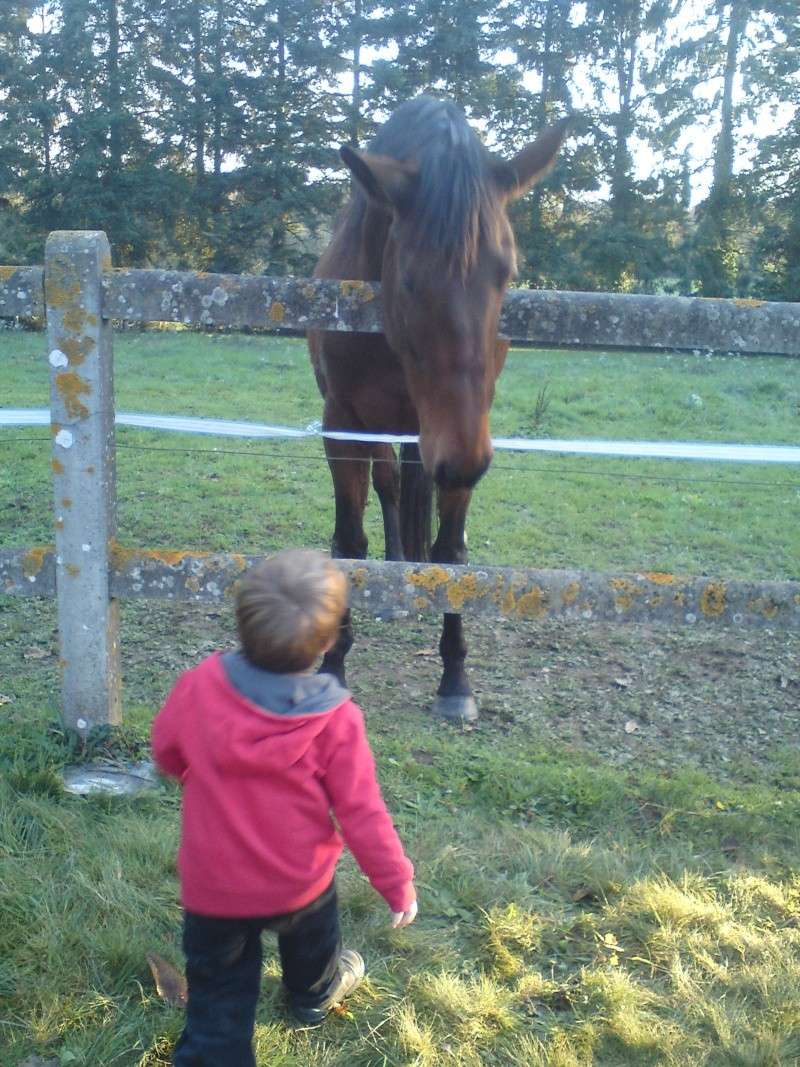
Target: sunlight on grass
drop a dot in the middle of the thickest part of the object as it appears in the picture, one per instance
(579, 905)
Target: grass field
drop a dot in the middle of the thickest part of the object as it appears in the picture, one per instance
(589, 894)
(719, 519)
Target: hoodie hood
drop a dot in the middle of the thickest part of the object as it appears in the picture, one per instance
(251, 721)
(283, 694)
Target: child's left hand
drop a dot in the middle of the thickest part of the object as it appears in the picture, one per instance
(404, 918)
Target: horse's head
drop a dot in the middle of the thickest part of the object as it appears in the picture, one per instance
(447, 261)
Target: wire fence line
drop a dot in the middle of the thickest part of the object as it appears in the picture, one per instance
(319, 458)
(708, 451)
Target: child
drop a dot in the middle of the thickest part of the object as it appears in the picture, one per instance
(266, 752)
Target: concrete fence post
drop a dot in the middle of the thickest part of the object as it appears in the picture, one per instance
(84, 475)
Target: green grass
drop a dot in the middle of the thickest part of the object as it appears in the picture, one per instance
(571, 913)
(587, 896)
(603, 514)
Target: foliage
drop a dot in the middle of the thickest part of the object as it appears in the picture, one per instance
(203, 134)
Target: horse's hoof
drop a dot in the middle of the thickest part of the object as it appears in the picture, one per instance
(456, 708)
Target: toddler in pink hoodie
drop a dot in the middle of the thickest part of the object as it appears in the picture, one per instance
(266, 754)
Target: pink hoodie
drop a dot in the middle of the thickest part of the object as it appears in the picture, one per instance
(260, 788)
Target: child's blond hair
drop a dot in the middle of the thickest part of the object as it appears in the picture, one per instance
(289, 608)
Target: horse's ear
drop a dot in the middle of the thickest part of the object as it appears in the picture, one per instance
(516, 176)
(389, 182)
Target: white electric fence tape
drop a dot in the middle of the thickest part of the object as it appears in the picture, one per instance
(699, 450)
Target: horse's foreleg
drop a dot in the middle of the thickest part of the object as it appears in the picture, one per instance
(350, 471)
(454, 698)
(386, 480)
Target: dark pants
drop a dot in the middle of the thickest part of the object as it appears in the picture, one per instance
(223, 972)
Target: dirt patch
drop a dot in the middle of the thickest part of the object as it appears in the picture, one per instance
(711, 698)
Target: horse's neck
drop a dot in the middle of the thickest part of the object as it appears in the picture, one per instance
(356, 249)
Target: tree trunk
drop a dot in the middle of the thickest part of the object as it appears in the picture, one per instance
(199, 109)
(627, 47)
(114, 91)
(277, 244)
(723, 156)
(219, 32)
(355, 106)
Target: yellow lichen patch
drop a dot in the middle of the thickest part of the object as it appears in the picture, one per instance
(421, 603)
(277, 312)
(748, 302)
(680, 598)
(429, 579)
(70, 386)
(72, 570)
(66, 502)
(570, 594)
(74, 318)
(533, 604)
(363, 291)
(76, 348)
(358, 577)
(764, 606)
(463, 589)
(239, 560)
(659, 578)
(626, 590)
(57, 466)
(122, 557)
(508, 603)
(172, 559)
(61, 290)
(7, 272)
(33, 560)
(655, 600)
(712, 599)
(59, 524)
(193, 585)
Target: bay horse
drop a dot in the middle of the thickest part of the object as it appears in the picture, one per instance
(427, 219)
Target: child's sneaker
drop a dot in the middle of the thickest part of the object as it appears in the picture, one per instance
(351, 971)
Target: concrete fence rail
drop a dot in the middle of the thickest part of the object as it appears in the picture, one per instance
(21, 292)
(539, 317)
(88, 571)
(397, 590)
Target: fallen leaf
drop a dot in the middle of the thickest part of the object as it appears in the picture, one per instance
(170, 983)
(427, 652)
(560, 1000)
(584, 893)
(35, 653)
(6, 700)
(730, 845)
(622, 683)
(631, 726)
